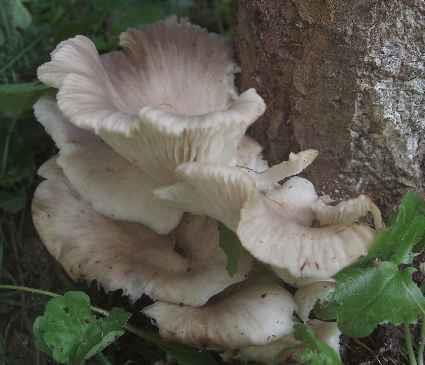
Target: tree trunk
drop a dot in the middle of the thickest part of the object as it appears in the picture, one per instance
(345, 77)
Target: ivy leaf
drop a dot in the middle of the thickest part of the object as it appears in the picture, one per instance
(18, 98)
(316, 352)
(370, 296)
(230, 244)
(70, 333)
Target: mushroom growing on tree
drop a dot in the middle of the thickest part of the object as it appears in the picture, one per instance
(152, 153)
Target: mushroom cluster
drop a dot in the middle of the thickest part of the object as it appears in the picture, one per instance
(152, 157)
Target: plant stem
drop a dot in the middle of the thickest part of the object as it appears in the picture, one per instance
(409, 345)
(422, 343)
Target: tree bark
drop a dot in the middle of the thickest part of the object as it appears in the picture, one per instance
(346, 77)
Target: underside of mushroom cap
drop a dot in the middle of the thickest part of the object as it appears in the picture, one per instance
(171, 86)
(213, 190)
(253, 314)
(128, 256)
(107, 181)
(269, 233)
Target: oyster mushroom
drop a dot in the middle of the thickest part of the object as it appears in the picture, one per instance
(166, 99)
(278, 233)
(187, 266)
(107, 181)
(287, 346)
(252, 314)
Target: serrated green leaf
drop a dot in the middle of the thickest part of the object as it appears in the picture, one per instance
(315, 352)
(12, 202)
(379, 294)
(18, 98)
(231, 246)
(71, 333)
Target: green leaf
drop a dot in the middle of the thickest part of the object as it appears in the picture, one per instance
(12, 202)
(316, 352)
(71, 333)
(396, 243)
(230, 244)
(18, 98)
(370, 296)
(21, 17)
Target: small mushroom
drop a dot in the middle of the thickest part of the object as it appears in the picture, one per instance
(252, 314)
(185, 267)
(166, 99)
(107, 181)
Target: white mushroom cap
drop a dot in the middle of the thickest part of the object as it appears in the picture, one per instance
(281, 350)
(300, 195)
(254, 314)
(249, 155)
(269, 233)
(107, 181)
(296, 163)
(213, 190)
(172, 87)
(129, 256)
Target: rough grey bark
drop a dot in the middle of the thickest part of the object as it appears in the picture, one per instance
(346, 77)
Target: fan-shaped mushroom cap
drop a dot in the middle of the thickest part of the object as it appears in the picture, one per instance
(107, 181)
(281, 350)
(270, 235)
(167, 99)
(129, 256)
(213, 190)
(254, 314)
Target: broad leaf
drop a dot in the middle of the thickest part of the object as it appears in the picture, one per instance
(71, 333)
(230, 244)
(315, 352)
(396, 243)
(382, 293)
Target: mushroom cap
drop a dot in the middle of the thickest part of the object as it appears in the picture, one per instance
(129, 256)
(269, 233)
(172, 87)
(207, 189)
(249, 155)
(284, 348)
(253, 314)
(107, 181)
